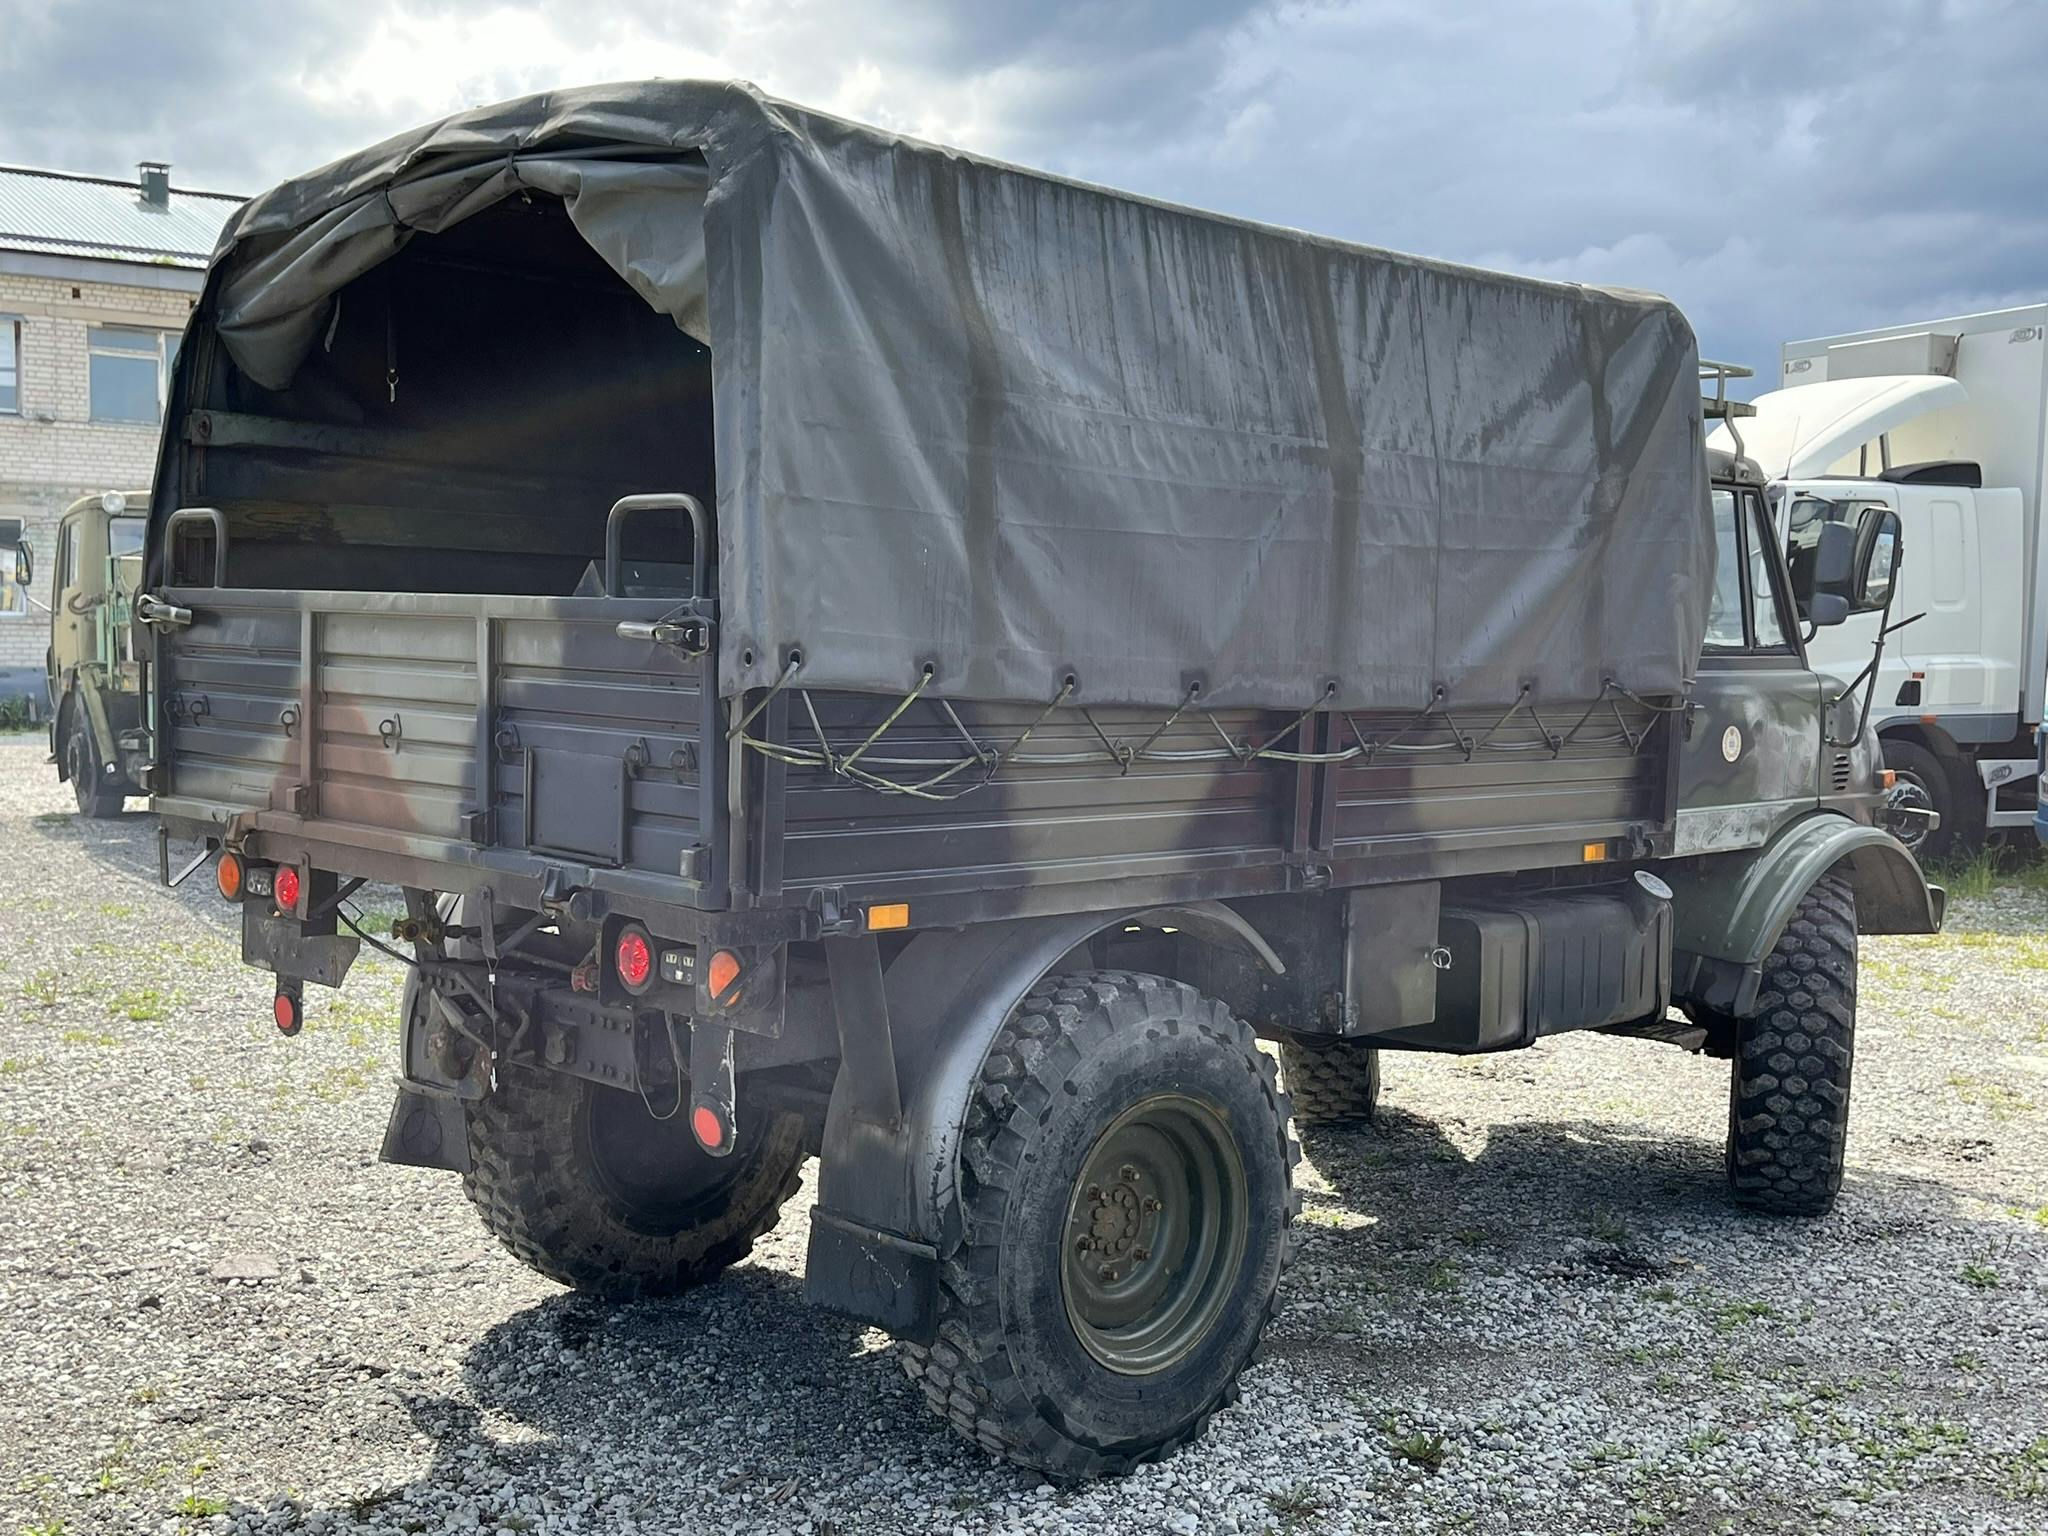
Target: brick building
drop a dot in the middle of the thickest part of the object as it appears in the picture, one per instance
(97, 278)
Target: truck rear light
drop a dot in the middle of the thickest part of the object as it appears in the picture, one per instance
(288, 1008)
(708, 1126)
(633, 959)
(287, 889)
(228, 875)
(722, 972)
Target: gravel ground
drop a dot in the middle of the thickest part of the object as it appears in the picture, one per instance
(1522, 1303)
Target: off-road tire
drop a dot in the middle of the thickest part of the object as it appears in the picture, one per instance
(1009, 1370)
(537, 1184)
(97, 797)
(1788, 1101)
(1331, 1082)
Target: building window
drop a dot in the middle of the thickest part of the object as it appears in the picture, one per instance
(13, 600)
(130, 372)
(10, 366)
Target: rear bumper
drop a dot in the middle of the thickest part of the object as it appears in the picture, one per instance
(674, 907)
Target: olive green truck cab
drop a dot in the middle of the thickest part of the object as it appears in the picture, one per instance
(898, 659)
(93, 674)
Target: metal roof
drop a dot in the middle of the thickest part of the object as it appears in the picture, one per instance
(56, 213)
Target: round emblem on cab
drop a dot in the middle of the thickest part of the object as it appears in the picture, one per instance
(1731, 743)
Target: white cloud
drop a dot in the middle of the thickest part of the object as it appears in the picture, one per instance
(1777, 172)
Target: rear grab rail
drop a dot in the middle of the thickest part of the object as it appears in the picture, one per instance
(184, 519)
(626, 507)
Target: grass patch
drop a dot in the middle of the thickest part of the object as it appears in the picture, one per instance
(1995, 1099)
(1296, 1503)
(1980, 1277)
(1420, 1449)
(145, 1004)
(1731, 1315)
(97, 1037)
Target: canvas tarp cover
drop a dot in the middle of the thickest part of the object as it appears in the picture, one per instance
(1021, 429)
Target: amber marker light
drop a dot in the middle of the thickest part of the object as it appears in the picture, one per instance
(227, 874)
(888, 914)
(722, 972)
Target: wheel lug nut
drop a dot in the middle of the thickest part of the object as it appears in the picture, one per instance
(1141, 1254)
(1154, 1203)
(1128, 1174)
(1109, 1274)
(1085, 1245)
(1095, 1193)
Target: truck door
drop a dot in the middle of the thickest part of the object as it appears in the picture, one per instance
(71, 622)
(1751, 743)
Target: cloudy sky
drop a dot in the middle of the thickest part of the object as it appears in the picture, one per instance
(1780, 167)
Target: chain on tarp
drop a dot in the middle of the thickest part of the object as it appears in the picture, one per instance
(924, 776)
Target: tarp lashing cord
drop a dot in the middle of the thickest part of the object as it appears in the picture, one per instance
(982, 755)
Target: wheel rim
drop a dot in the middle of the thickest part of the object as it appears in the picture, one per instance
(1156, 1231)
(653, 1172)
(1909, 793)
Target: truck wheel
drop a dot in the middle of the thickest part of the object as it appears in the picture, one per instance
(1331, 1082)
(98, 795)
(1788, 1102)
(584, 1185)
(1127, 1180)
(1926, 782)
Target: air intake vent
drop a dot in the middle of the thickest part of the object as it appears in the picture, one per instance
(1841, 773)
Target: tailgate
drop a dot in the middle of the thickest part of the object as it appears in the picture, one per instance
(494, 722)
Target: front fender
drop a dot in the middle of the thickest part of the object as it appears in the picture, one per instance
(1730, 909)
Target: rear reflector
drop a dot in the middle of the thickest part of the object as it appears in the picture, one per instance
(227, 874)
(289, 1012)
(892, 914)
(708, 1126)
(722, 972)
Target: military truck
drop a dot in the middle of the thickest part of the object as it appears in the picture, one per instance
(857, 650)
(94, 675)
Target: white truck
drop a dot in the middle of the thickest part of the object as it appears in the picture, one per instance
(1946, 423)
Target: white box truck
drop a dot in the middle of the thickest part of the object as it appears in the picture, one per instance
(1945, 422)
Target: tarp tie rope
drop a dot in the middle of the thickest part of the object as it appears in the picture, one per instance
(1434, 715)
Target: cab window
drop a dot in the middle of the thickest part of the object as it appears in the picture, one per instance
(1746, 613)
(1766, 613)
(1725, 631)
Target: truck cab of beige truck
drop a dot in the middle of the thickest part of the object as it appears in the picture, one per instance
(884, 746)
(92, 672)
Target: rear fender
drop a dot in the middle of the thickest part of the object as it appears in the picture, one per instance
(889, 1195)
(1731, 908)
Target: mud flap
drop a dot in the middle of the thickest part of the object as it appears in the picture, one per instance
(426, 1132)
(280, 944)
(875, 1276)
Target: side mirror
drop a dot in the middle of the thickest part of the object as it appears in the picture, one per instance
(24, 565)
(1826, 608)
(1824, 565)
(1877, 559)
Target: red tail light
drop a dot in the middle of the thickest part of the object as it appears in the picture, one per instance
(634, 960)
(287, 889)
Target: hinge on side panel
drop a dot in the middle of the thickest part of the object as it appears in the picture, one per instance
(834, 917)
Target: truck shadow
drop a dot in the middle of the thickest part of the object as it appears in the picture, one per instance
(738, 1403)
(126, 846)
